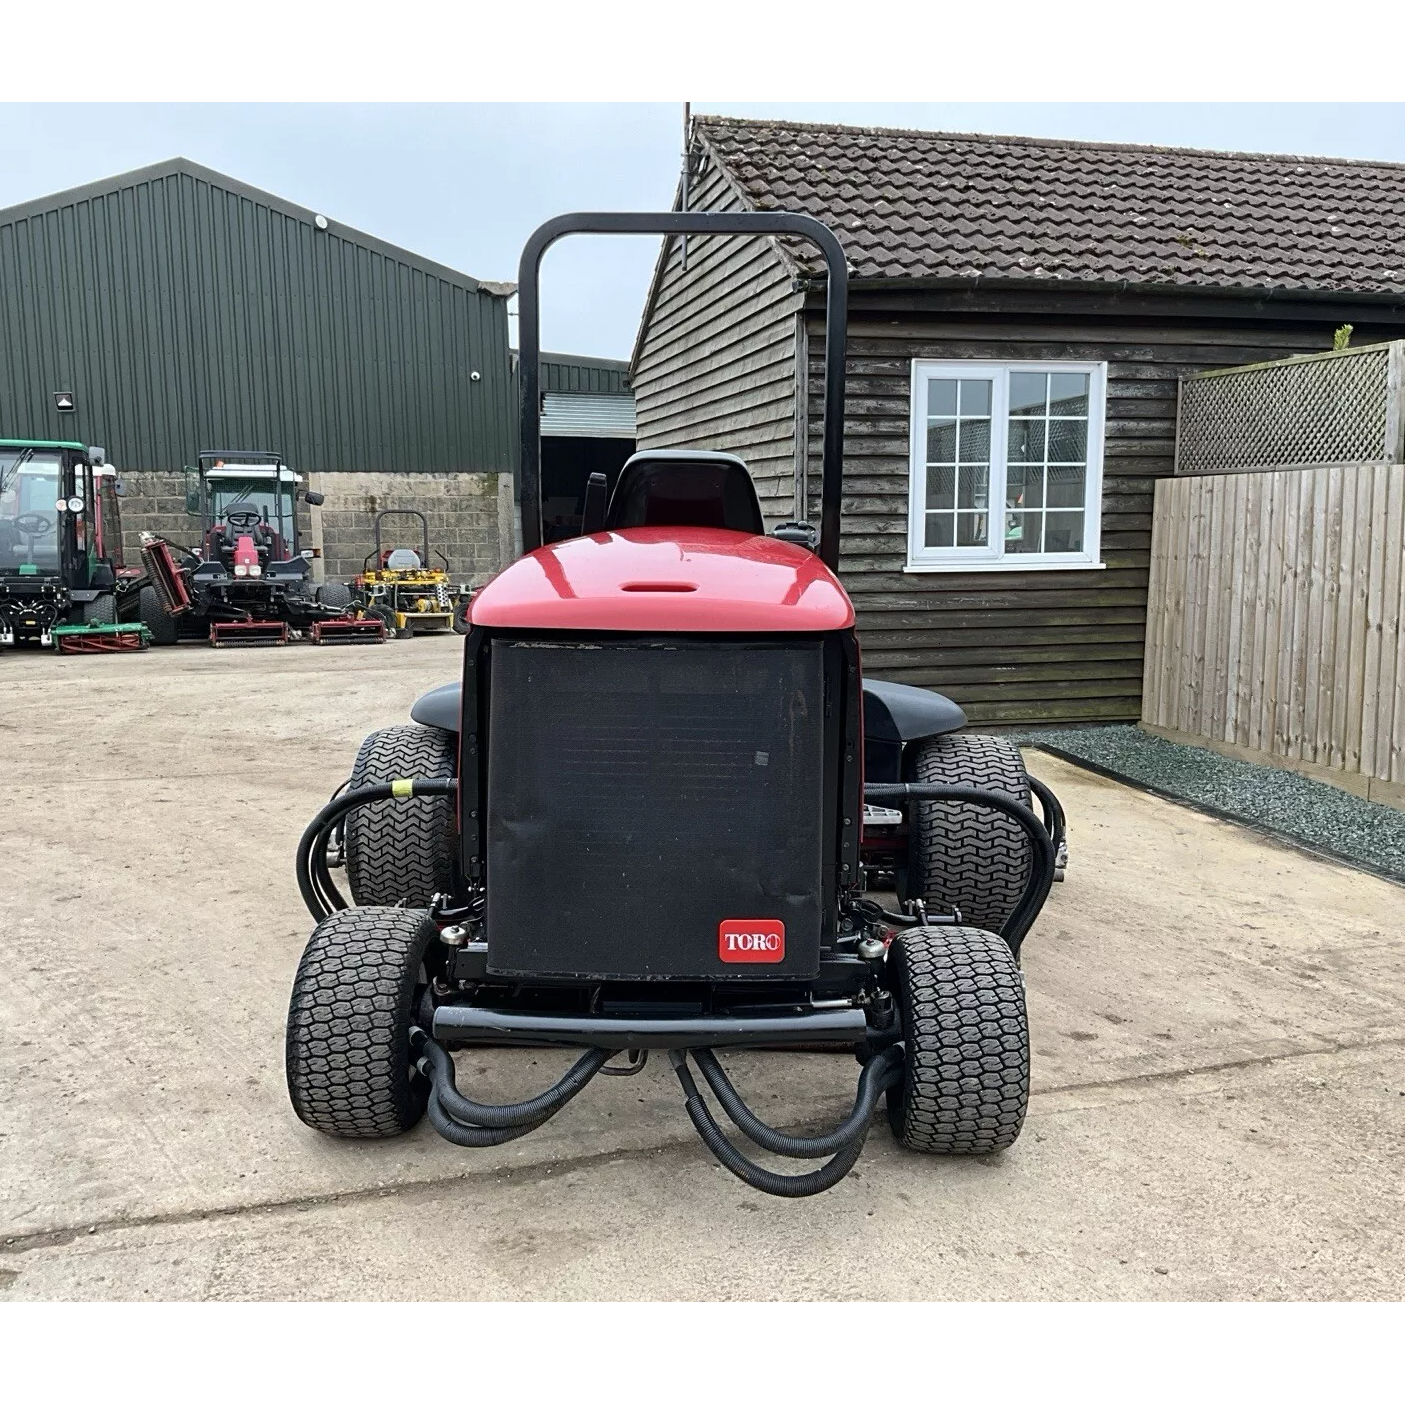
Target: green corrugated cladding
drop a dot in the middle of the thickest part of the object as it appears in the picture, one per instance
(187, 311)
(583, 375)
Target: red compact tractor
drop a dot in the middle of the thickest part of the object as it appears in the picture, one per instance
(654, 814)
(250, 582)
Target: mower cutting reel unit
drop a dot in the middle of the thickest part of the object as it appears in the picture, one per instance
(650, 817)
(401, 586)
(250, 582)
(60, 550)
(100, 638)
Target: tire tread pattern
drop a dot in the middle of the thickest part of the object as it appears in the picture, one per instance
(402, 851)
(966, 1083)
(973, 860)
(348, 1039)
(152, 614)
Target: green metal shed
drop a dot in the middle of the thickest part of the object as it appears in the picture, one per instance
(183, 309)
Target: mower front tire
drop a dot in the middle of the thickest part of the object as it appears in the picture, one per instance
(964, 857)
(402, 851)
(334, 594)
(103, 610)
(348, 1055)
(152, 614)
(960, 998)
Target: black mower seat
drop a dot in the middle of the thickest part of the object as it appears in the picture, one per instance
(685, 488)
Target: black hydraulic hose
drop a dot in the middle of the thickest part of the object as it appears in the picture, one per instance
(745, 1169)
(311, 874)
(461, 1135)
(1054, 820)
(322, 873)
(1041, 875)
(436, 1064)
(879, 1073)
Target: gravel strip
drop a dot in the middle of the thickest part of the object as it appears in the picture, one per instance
(1283, 802)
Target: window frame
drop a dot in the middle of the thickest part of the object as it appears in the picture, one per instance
(992, 556)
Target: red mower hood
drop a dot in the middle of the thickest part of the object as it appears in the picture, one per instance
(666, 580)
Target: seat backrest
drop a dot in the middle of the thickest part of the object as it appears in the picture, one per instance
(403, 558)
(685, 488)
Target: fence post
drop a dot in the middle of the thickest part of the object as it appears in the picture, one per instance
(1395, 403)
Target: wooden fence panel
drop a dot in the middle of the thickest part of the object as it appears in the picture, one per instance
(1276, 611)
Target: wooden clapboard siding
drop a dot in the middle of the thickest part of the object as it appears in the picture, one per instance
(1277, 602)
(1036, 646)
(714, 367)
(715, 363)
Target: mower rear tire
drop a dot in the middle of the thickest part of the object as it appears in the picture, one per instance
(402, 851)
(334, 594)
(103, 610)
(152, 614)
(960, 997)
(348, 1055)
(963, 857)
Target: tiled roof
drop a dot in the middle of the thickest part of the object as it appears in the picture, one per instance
(948, 205)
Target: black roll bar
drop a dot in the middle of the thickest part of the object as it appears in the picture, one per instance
(692, 222)
(403, 512)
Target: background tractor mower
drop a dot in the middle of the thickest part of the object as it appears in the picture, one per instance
(637, 823)
(60, 551)
(251, 581)
(399, 586)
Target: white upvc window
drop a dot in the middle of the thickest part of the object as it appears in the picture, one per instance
(1006, 468)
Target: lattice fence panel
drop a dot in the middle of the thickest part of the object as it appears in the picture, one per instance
(1332, 408)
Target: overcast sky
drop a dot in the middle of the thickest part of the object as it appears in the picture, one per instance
(465, 184)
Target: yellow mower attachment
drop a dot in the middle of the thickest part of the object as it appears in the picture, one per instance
(399, 585)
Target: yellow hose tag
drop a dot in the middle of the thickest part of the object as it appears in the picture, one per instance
(403, 788)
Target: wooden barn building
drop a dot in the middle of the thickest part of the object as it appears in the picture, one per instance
(1021, 313)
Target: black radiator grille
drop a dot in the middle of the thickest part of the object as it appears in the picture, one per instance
(640, 794)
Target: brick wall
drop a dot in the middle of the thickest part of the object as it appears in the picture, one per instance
(469, 517)
(462, 508)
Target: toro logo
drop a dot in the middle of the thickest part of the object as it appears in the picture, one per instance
(751, 939)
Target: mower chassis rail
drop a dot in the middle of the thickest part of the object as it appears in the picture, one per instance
(473, 1025)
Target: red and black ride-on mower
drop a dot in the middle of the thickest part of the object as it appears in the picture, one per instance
(250, 582)
(639, 824)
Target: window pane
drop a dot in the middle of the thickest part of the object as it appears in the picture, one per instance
(970, 529)
(1068, 393)
(1065, 485)
(973, 446)
(1024, 485)
(939, 528)
(941, 442)
(941, 397)
(1027, 441)
(1068, 441)
(941, 488)
(973, 490)
(1063, 531)
(1022, 532)
(975, 398)
(1027, 392)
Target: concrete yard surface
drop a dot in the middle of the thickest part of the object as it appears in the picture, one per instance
(1219, 1054)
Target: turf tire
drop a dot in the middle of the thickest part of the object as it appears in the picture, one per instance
(103, 610)
(347, 1055)
(966, 1034)
(334, 594)
(961, 856)
(152, 614)
(402, 851)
